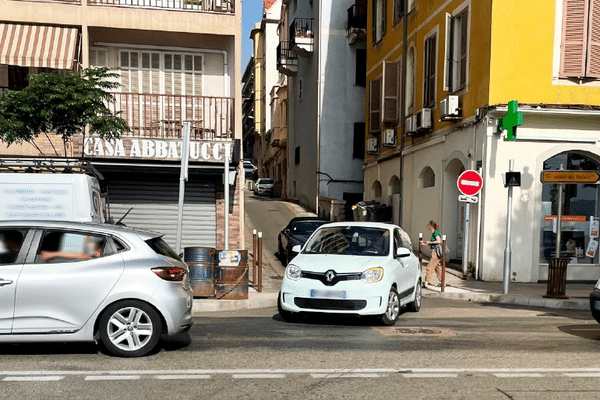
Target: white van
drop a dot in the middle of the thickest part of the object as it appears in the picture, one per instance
(50, 196)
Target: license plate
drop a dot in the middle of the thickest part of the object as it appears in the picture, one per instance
(597, 304)
(328, 294)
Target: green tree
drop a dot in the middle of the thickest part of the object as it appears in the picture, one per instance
(63, 104)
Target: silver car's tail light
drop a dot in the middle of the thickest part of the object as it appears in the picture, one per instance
(175, 274)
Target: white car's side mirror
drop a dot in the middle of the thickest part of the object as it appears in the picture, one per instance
(297, 248)
(402, 252)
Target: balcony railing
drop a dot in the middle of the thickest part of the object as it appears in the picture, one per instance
(224, 6)
(162, 116)
(301, 28)
(287, 61)
(357, 17)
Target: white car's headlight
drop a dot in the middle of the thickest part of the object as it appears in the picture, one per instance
(293, 272)
(372, 275)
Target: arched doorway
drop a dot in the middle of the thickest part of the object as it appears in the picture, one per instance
(376, 191)
(453, 211)
(394, 198)
(580, 206)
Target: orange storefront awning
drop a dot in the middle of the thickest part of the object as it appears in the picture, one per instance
(42, 46)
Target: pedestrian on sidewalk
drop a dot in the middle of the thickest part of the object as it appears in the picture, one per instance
(435, 263)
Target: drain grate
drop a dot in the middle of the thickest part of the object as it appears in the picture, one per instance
(414, 331)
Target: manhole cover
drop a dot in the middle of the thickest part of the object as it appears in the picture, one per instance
(414, 331)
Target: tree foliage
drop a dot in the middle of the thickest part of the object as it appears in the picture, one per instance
(63, 104)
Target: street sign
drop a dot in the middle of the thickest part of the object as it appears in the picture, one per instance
(570, 176)
(469, 182)
(513, 178)
(468, 199)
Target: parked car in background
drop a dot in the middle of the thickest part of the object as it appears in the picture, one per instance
(249, 170)
(264, 186)
(295, 233)
(364, 268)
(68, 281)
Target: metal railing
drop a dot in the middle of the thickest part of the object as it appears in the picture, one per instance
(357, 17)
(300, 28)
(284, 55)
(223, 6)
(162, 115)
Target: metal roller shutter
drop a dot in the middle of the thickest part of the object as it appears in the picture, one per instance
(154, 205)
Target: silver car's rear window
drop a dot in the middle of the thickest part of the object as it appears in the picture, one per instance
(161, 247)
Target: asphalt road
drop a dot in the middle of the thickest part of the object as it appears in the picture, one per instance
(450, 350)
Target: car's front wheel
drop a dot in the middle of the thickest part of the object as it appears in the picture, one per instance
(392, 311)
(130, 328)
(415, 305)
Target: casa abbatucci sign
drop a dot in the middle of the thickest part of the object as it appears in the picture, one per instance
(161, 149)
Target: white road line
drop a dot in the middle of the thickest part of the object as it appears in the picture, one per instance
(174, 377)
(326, 376)
(32, 378)
(519, 375)
(583, 375)
(257, 376)
(112, 377)
(430, 375)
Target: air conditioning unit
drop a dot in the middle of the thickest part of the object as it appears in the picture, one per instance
(424, 119)
(389, 138)
(410, 124)
(372, 147)
(449, 108)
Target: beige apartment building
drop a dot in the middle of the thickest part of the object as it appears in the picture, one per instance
(179, 61)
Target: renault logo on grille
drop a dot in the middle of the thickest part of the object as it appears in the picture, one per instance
(329, 275)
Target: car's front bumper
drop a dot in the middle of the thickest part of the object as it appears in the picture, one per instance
(307, 295)
(595, 304)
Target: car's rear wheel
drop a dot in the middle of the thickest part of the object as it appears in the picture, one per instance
(392, 311)
(285, 314)
(415, 305)
(130, 328)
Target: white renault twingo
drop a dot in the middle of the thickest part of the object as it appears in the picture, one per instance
(363, 268)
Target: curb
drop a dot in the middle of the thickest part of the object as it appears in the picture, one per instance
(254, 301)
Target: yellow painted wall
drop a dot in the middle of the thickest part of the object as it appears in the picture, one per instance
(523, 48)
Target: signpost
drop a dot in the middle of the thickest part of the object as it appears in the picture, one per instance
(469, 184)
(565, 177)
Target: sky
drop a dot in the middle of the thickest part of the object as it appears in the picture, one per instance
(251, 14)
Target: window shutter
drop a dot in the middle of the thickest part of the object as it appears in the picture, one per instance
(432, 58)
(593, 45)
(391, 88)
(574, 34)
(448, 52)
(374, 21)
(375, 105)
(464, 20)
(384, 18)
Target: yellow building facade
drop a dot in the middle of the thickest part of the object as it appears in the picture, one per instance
(433, 109)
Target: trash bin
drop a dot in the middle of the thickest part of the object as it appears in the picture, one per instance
(231, 275)
(201, 262)
(372, 211)
(557, 277)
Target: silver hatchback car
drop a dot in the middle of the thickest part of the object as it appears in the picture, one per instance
(68, 281)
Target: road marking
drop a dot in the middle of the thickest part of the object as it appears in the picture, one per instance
(32, 378)
(174, 377)
(112, 377)
(583, 375)
(258, 376)
(359, 375)
(519, 375)
(430, 375)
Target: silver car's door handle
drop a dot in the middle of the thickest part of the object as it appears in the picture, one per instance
(5, 282)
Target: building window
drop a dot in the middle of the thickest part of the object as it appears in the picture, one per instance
(580, 205)
(455, 72)
(297, 155)
(398, 10)
(361, 67)
(427, 178)
(391, 91)
(379, 19)
(358, 149)
(375, 105)
(429, 72)
(580, 40)
(377, 190)
(410, 81)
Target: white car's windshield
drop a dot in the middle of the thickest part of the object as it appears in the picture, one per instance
(350, 240)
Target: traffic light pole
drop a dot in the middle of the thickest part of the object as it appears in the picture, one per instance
(506, 271)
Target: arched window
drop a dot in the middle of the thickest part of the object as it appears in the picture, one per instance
(580, 206)
(377, 190)
(427, 178)
(394, 186)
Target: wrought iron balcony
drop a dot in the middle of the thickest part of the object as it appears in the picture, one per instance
(302, 36)
(287, 62)
(217, 6)
(357, 23)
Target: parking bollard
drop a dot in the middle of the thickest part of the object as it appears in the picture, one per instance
(254, 257)
(443, 282)
(259, 250)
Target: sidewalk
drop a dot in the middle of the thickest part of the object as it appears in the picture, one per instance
(520, 294)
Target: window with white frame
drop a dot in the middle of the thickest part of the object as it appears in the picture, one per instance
(429, 59)
(379, 19)
(98, 57)
(455, 72)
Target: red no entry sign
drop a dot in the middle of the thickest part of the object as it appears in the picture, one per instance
(469, 183)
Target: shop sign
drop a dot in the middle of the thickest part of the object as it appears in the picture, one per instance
(161, 149)
(570, 177)
(566, 218)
